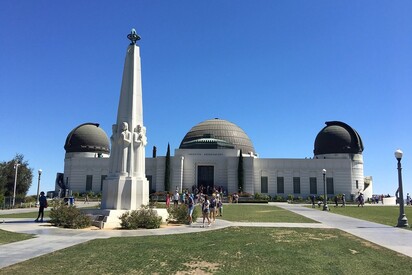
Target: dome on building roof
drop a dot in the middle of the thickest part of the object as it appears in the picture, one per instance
(338, 137)
(87, 137)
(216, 134)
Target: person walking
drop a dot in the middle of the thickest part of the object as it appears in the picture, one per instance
(190, 207)
(206, 211)
(42, 205)
(343, 200)
(212, 208)
(176, 198)
(312, 199)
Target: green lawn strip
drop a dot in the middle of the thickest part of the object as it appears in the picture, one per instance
(236, 250)
(387, 215)
(31, 215)
(10, 237)
(261, 213)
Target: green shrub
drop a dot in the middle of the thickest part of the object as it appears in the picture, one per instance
(69, 217)
(291, 197)
(179, 214)
(278, 198)
(142, 218)
(259, 196)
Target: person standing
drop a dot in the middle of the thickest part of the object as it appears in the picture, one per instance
(176, 198)
(312, 199)
(212, 208)
(343, 200)
(167, 200)
(205, 211)
(42, 205)
(190, 207)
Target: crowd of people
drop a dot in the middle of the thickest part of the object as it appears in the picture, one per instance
(212, 206)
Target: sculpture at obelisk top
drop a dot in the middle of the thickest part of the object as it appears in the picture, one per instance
(126, 186)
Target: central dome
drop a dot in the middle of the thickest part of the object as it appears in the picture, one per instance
(216, 134)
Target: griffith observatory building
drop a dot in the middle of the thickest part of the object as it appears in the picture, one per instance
(208, 156)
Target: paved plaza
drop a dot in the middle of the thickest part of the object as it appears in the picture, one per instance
(50, 238)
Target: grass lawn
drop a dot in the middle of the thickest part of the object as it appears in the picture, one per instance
(236, 250)
(10, 237)
(31, 215)
(380, 214)
(260, 213)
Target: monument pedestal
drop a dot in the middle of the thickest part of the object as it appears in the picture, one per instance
(125, 193)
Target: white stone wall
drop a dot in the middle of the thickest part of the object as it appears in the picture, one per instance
(77, 168)
(345, 169)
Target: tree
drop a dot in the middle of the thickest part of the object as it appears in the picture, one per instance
(167, 169)
(7, 175)
(240, 175)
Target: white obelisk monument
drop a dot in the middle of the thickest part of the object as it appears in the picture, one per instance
(126, 187)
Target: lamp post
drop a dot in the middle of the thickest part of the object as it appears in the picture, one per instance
(402, 220)
(38, 188)
(16, 166)
(325, 198)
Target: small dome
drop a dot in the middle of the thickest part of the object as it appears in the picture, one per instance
(217, 134)
(337, 137)
(87, 137)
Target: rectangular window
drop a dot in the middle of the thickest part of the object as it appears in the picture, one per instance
(89, 181)
(357, 184)
(102, 178)
(296, 185)
(264, 185)
(280, 185)
(150, 180)
(313, 186)
(329, 186)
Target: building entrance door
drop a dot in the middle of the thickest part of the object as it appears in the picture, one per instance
(205, 178)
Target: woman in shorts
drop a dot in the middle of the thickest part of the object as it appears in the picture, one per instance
(206, 211)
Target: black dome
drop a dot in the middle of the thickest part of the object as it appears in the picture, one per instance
(338, 137)
(87, 137)
(216, 134)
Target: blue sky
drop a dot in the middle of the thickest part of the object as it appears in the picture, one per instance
(277, 69)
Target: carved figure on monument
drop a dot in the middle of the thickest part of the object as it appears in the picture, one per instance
(114, 164)
(139, 142)
(125, 140)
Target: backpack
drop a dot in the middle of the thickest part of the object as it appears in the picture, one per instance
(213, 203)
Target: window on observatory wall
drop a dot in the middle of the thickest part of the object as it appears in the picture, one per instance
(313, 186)
(280, 185)
(329, 186)
(296, 185)
(102, 178)
(264, 185)
(89, 181)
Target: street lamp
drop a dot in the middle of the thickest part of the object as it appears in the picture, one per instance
(38, 188)
(16, 166)
(402, 220)
(325, 198)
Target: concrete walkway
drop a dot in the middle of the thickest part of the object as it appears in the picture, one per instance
(49, 239)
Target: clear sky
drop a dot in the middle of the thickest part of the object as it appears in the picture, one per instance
(277, 69)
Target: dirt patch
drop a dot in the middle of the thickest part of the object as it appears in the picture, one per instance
(199, 267)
